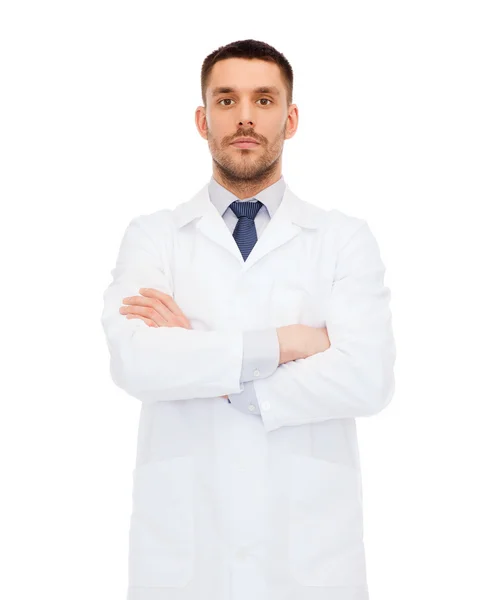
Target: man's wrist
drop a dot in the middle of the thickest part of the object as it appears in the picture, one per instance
(287, 350)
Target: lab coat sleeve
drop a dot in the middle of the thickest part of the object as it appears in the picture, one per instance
(162, 363)
(354, 377)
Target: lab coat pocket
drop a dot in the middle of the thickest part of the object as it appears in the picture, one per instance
(325, 523)
(161, 540)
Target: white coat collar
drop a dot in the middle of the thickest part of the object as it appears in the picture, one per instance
(292, 215)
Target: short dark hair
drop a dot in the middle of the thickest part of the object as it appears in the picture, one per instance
(248, 49)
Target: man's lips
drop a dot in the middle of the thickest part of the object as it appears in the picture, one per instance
(245, 144)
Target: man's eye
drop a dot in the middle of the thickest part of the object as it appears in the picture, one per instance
(224, 99)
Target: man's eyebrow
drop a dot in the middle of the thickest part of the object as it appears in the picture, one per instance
(264, 89)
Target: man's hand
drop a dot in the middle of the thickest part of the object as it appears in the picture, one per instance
(156, 309)
(300, 341)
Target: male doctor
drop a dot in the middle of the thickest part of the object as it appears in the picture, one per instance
(253, 326)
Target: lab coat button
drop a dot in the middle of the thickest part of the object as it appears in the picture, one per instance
(256, 372)
(266, 405)
(251, 407)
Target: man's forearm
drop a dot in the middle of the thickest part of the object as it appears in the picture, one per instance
(297, 341)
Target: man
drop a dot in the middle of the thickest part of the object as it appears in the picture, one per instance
(254, 327)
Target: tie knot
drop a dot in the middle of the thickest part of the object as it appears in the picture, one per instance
(246, 209)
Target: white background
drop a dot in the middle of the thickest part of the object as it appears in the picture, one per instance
(97, 126)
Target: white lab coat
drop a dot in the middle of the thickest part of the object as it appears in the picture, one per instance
(229, 506)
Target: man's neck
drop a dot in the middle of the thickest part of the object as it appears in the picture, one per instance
(246, 189)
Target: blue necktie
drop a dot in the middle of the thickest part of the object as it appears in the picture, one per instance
(245, 233)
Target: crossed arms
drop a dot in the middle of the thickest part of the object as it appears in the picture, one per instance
(352, 376)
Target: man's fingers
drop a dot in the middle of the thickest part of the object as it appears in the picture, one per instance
(136, 309)
(148, 322)
(164, 298)
(151, 308)
(147, 312)
(154, 318)
(158, 306)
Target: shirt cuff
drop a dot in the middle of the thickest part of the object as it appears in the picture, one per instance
(246, 401)
(260, 353)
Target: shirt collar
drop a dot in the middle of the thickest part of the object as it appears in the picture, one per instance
(270, 196)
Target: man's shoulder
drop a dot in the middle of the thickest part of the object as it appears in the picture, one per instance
(333, 220)
(179, 215)
(155, 222)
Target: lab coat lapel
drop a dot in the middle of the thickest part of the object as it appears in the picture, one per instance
(287, 222)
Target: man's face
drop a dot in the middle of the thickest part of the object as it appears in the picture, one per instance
(245, 112)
